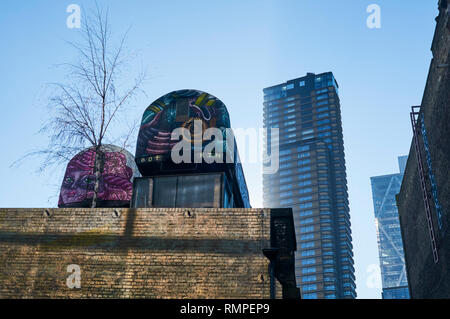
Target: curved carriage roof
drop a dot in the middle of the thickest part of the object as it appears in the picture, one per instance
(118, 168)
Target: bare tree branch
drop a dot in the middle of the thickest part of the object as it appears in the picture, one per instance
(83, 110)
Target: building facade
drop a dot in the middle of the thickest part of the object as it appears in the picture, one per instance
(312, 180)
(424, 198)
(389, 237)
(168, 253)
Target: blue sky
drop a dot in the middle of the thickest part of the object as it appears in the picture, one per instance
(232, 49)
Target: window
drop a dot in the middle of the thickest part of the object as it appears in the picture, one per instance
(309, 244)
(308, 270)
(182, 110)
(309, 261)
(307, 237)
(304, 162)
(305, 198)
(286, 201)
(286, 194)
(324, 128)
(324, 134)
(306, 205)
(289, 117)
(325, 220)
(290, 129)
(288, 172)
(173, 191)
(305, 190)
(323, 121)
(308, 253)
(303, 155)
(285, 187)
(285, 159)
(286, 179)
(304, 169)
(306, 213)
(310, 296)
(285, 165)
(301, 83)
(306, 229)
(303, 148)
(309, 287)
(303, 176)
(309, 278)
(306, 221)
(321, 97)
(306, 118)
(347, 293)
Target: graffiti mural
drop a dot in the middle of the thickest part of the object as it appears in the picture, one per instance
(181, 109)
(178, 109)
(116, 180)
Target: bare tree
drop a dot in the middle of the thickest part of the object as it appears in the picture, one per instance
(84, 109)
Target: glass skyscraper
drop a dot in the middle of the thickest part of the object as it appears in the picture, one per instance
(390, 245)
(312, 180)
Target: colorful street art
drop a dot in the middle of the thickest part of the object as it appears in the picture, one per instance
(178, 109)
(116, 180)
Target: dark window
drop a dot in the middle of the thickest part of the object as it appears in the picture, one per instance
(203, 191)
(164, 191)
(182, 114)
(198, 191)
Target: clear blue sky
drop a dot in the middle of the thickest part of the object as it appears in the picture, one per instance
(232, 49)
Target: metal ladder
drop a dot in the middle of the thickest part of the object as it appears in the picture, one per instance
(426, 197)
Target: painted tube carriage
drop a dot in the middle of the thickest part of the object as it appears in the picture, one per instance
(117, 171)
(187, 155)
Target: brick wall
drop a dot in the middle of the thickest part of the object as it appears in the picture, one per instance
(151, 253)
(426, 278)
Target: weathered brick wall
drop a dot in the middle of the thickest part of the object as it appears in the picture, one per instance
(427, 279)
(151, 253)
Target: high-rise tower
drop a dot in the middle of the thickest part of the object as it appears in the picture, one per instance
(312, 180)
(390, 245)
